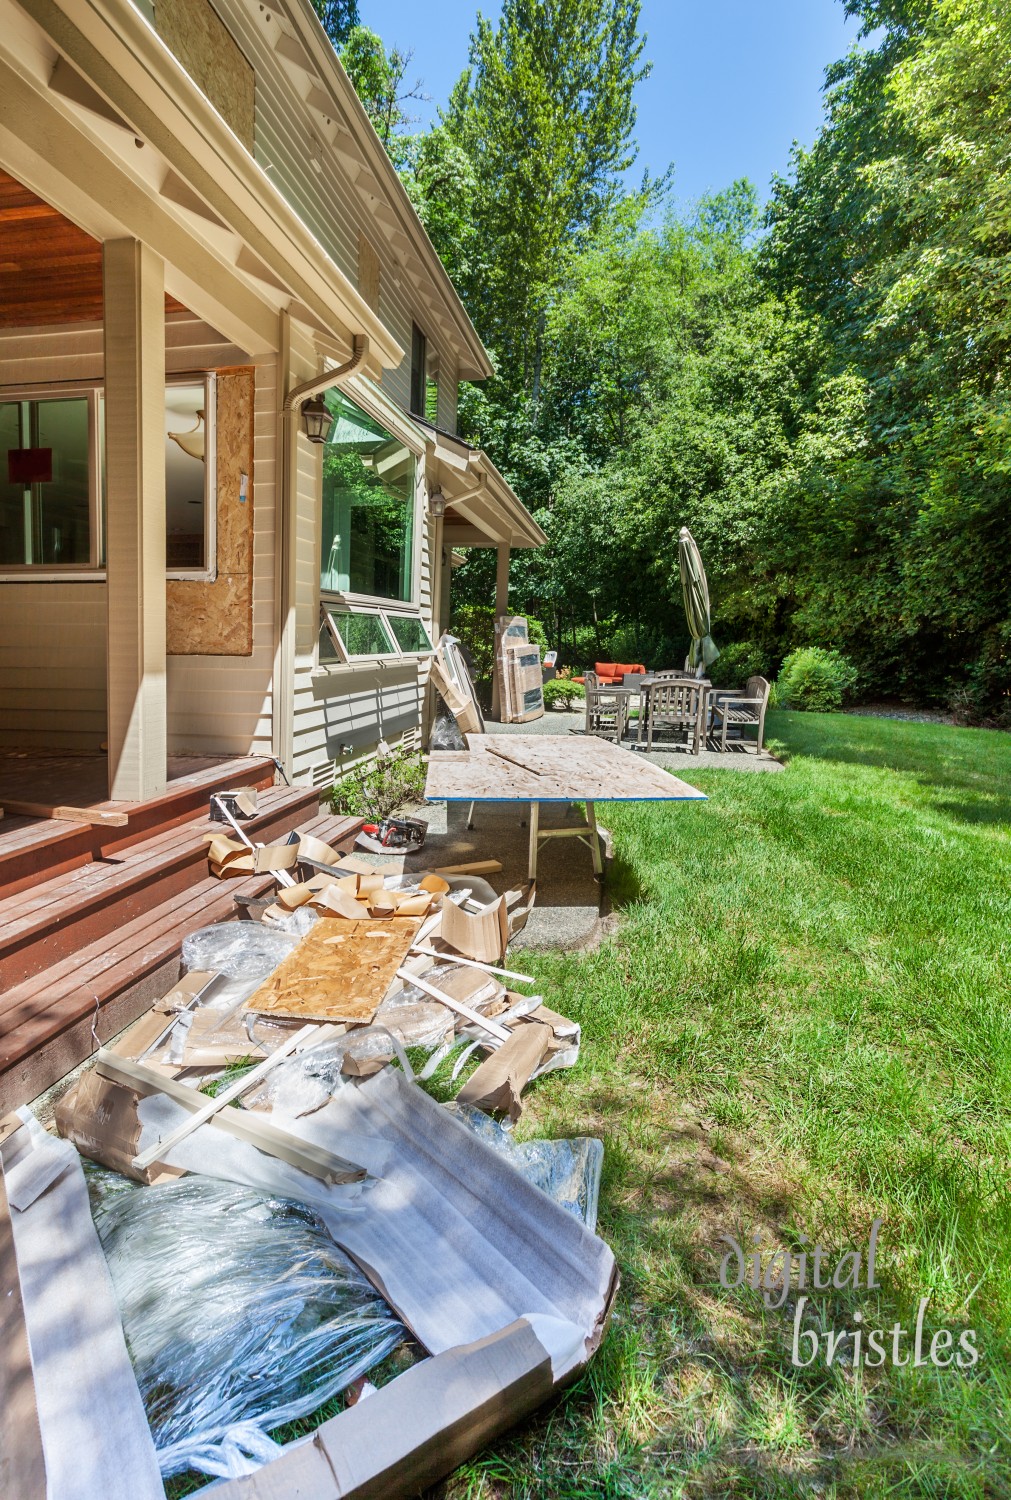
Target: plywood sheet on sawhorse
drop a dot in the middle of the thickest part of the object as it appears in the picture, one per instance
(551, 768)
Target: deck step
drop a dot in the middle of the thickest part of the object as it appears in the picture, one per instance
(45, 847)
(45, 923)
(54, 1020)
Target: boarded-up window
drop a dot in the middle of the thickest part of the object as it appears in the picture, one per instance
(196, 34)
(368, 272)
(215, 618)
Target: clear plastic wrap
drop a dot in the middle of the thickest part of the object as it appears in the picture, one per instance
(568, 1171)
(240, 1313)
(242, 950)
(296, 923)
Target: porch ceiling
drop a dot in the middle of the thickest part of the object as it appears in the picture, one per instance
(50, 271)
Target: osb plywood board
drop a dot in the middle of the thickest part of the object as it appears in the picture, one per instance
(368, 272)
(549, 768)
(194, 31)
(340, 971)
(216, 619)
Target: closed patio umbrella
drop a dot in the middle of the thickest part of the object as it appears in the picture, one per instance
(696, 594)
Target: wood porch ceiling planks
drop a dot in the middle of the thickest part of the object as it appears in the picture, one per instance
(50, 271)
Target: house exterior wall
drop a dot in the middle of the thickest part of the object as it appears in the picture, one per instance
(222, 705)
(342, 712)
(355, 226)
(292, 144)
(52, 666)
(53, 644)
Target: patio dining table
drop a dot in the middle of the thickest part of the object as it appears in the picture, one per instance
(643, 686)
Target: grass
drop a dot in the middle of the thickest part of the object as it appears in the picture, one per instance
(800, 1024)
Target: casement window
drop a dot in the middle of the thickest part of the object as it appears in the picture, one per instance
(354, 633)
(367, 526)
(52, 482)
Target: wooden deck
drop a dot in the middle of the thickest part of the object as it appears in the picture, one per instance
(92, 918)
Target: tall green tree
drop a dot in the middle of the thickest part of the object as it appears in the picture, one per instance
(895, 231)
(545, 114)
(381, 82)
(337, 17)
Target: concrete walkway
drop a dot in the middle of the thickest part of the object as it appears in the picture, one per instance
(570, 902)
(739, 756)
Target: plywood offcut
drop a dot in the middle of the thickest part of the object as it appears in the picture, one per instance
(340, 971)
(216, 618)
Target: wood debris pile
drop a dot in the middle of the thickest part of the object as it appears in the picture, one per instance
(281, 1063)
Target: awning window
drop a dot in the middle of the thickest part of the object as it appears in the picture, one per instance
(359, 633)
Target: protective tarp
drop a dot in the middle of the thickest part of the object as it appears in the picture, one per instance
(240, 1314)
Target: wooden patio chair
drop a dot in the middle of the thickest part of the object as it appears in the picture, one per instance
(742, 710)
(606, 712)
(676, 703)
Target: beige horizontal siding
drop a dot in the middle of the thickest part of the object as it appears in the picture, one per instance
(52, 665)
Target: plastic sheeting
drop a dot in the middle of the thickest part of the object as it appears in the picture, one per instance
(241, 950)
(240, 1313)
(568, 1171)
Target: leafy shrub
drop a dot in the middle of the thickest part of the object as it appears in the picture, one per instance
(736, 663)
(474, 624)
(560, 693)
(815, 680)
(377, 790)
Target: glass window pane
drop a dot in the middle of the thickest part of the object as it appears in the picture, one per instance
(12, 495)
(368, 506)
(327, 649)
(57, 438)
(185, 478)
(410, 633)
(363, 634)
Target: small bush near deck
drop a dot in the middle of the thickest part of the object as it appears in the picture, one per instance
(815, 680)
(382, 787)
(560, 693)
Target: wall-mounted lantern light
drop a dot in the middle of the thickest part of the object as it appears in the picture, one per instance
(317, 419)
(436, 505)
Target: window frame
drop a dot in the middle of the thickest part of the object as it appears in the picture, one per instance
(209, 572)
(354, 604)
(419, 371)
(94, 570)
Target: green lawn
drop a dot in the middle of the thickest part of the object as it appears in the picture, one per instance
(801, 1023)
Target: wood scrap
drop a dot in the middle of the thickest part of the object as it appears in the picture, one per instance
(482, 935)
(316, 1161)
(497, 1084)
(474, 1017)
(340, 971)
(474, 867)
(229, 857)
(472, 963)
(101, 817)
(211, 1106)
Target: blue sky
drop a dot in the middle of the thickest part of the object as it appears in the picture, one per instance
(734, 82)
